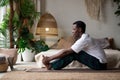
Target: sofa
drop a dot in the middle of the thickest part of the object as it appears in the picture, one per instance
(113, 55)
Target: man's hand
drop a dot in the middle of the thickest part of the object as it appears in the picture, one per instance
(46, 62)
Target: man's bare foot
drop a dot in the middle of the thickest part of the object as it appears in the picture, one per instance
(46, 62)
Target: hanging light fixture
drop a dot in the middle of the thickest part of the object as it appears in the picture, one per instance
(47, 26)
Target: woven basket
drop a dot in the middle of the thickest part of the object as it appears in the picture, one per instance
(3, 67)
(47, 21)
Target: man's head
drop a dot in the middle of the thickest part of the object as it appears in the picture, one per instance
(79, 28)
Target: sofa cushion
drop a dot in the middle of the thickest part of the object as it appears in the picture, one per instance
(64, 43)
(67, 42)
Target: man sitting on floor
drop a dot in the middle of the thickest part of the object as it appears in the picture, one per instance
(85, 50)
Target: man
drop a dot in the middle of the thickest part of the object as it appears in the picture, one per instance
(85, 50)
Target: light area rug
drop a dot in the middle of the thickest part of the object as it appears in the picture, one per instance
(67, 74)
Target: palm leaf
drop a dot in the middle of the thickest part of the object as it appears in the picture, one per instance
(3, 3)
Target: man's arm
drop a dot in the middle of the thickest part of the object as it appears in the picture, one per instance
(61, 54)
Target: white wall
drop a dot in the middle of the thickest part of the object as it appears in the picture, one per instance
(68, 11)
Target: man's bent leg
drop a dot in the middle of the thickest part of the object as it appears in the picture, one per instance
(62, 62)
(89, 61)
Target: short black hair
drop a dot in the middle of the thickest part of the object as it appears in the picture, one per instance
(80, 24)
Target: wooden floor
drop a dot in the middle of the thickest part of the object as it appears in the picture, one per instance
(35, 73)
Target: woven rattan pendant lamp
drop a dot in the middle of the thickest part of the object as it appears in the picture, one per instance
(47, 26)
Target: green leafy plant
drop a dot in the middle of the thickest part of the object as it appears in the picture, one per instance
(27, 14)
(39, 46)
(5, 25)
(117, 12)
(20, 22)
(4, 2)
(12, 11)
(25, 39)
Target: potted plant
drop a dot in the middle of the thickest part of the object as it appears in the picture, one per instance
(28, 46)
(22, 19)
(22, 15)
(25, 41)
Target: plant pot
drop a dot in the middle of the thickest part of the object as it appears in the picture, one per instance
(28, 55)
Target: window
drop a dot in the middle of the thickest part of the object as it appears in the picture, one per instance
(4, 41)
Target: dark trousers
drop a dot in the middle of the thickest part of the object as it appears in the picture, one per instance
(81, 57)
